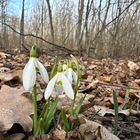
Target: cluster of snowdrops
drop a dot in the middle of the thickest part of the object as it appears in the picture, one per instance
(62, 79)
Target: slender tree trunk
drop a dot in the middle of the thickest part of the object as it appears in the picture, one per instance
(4, 29)
(21, 41)
(42, 21)
(51, 22)
(86, 25)
(78, 30)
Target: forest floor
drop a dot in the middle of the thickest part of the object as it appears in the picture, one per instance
(99, 78)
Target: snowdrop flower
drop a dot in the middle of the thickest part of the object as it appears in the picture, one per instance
(65, 66)
(59, 80)
(30, 70)
(71, 74)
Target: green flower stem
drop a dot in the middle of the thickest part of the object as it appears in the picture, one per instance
(40, 126)
(78, 79)
(47, 108)
(72, 106)
(75, 93)
(35, 110)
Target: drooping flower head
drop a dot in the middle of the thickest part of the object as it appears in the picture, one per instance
(70, 73)
(59, 80)
(30, 70)
(65, 66)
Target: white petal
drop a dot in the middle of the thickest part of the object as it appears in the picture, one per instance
(50, 87)
(74, 74)
(29, 75)
(69, 75)
(65, 73)
(67, 86)
(64, 66)
(43, 72)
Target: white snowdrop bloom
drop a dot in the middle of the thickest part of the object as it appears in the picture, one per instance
(71, 75)
(64, 67)
(30, 70)
(59, 79)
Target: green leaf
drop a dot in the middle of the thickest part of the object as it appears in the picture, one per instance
(49, 115)
(65, 120)
(45, 108)
(77, 109)
(126, 97)
(40, 128)
(77, 66)
(78, 76)
(77, 83)
(116, 112)
(54, 68)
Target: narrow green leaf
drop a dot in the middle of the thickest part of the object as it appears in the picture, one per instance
(54, 68)
(77, 83)
(40, 128)
(44, 110)
(65, 120)
(48, 117)
(78, 107)
(126, 97)
(77, 66)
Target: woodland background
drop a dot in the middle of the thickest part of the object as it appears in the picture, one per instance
(97, 28)
(106, 30)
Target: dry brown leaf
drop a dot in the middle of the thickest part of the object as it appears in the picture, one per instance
(14, 108)
(4, 69)
(137, 81)
(135, 84)
(119, 99)
(90, 87)
(4, 55)
(132, 65)
(91, 67)
(92, 130)
(93, 84)
(90, 78)
(105, 78)
(58, 134)
(15, 74)
(137, 95)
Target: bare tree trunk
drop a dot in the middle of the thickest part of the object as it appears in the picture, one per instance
(4, 30)
(51, 22)
(42, 21)
(88, 9)
(78, 30)
(21, 41)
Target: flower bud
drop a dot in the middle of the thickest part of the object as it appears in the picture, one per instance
(33, 52)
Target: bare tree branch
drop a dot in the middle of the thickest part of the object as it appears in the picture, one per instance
(48, 42)
(114, 19)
